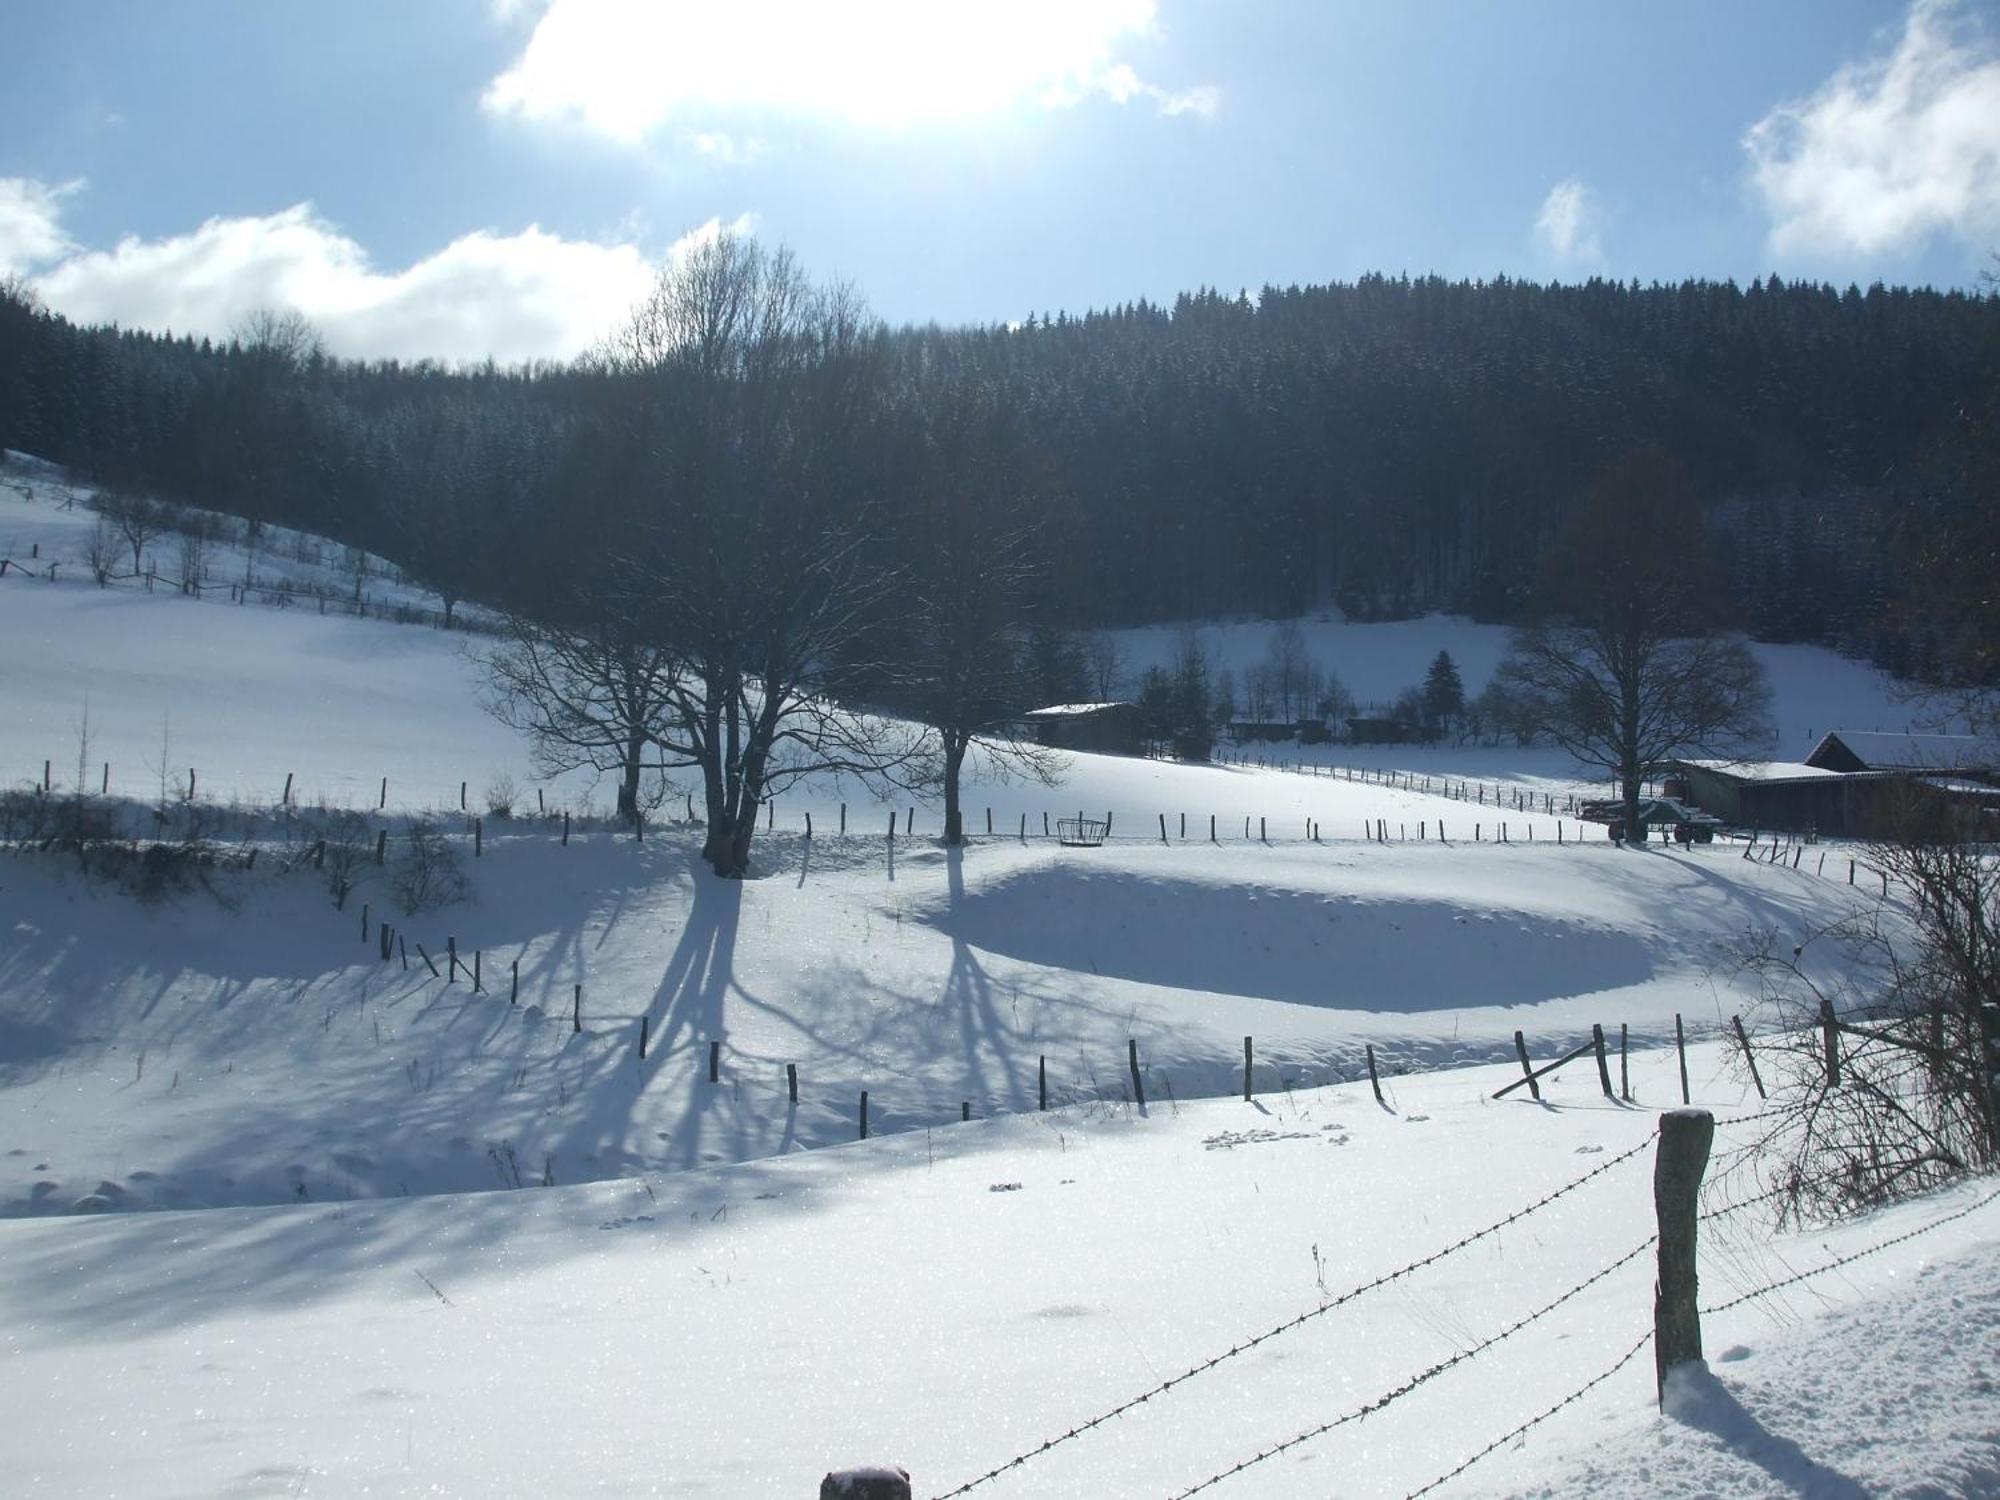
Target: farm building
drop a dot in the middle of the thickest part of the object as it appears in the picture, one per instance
(1850, 750)
(1856, 784)
(1112, 728)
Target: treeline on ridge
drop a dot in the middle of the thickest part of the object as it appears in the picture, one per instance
(1386, 448)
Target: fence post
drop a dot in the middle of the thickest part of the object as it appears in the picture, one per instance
(1830, 1035)
(1138, 1087)
(715, 1062)
(642, 1037)
(1042, 1084)
(1603, 1066)
(792, 1082)
(576, 1011)
(864, 1114)
(1246, 1070)
(1681, 1046)
(381, 845)
(1685, 1138)
(1527, 1068)
(1748, 1056)
(1374, 1079)
(1625, 1061)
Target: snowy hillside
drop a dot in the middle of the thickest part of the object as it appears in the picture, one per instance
(287, 1212)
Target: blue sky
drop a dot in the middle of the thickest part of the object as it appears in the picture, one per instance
(468, 177)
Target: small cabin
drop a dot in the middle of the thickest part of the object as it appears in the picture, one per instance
(1105, 728)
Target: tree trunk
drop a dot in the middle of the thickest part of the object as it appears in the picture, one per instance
(628, 785)
(954, 763)
(1635, 831)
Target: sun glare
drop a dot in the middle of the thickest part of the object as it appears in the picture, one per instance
(626, 68)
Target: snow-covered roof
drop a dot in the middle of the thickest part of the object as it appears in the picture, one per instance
(1889, 750)
(1764, 770)
(1071, 710)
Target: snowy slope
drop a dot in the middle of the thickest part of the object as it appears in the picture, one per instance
(949, 1300)
(350, 1280)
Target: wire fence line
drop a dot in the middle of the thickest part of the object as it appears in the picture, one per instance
(1540, 1417)
(1851, 1257)
(1243, 1347)
(1424, 1377)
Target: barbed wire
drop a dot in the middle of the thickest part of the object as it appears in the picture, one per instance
(1535, 1421)
(1755, 1198)
(1423, 1376)
(1849, 1259)
(1289, 1324)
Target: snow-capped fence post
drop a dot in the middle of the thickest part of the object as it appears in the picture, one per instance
(1138, 1084)
(1681, 1046)
(1685, 1138)
(1743, 1038)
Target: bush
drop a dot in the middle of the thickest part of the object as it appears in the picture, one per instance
(427, 873)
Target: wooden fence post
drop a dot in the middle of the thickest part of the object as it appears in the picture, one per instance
(514, 987)
(1246, 1070)
(1138, 1086)
(1749, 1057)
(1830, 1038)
(478, 838)
(792, 1082)
(451, 954)
(1603, 1066)
(1681, 1046)
(576, 1009)
(1527, 1068)
(643, 1028)
(864, 1114)
(382, 801)
(565, 828)
(1042, 1083)
(715, 1062)
(381, 845)
(1685, 1138)
(1625, 1062)
(284, 801)
(1374, 1078)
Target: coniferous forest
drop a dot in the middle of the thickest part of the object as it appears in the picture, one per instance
(1386, 448)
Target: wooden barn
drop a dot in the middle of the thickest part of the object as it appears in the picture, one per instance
(1855, 784)
(1111, 728)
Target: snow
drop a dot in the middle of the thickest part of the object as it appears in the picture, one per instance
(1766, 770)
(273, 1210)
(1917, 752)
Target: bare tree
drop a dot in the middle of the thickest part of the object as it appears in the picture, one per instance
(593, 695)
(965, 662)
(1625, 661)
(100, 550)
(136, 519)
(750, 388)
(1106, 664)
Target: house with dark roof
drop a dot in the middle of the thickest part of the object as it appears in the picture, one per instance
(1855, 784)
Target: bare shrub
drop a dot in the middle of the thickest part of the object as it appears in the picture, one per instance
(501, 795)
(427, 873)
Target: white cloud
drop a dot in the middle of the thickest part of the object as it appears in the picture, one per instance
(31, 232)
(1569, 227)
(626, 67)
(531, 295)
(1888, 152)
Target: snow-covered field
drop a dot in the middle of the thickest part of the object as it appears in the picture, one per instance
(351, 1278)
